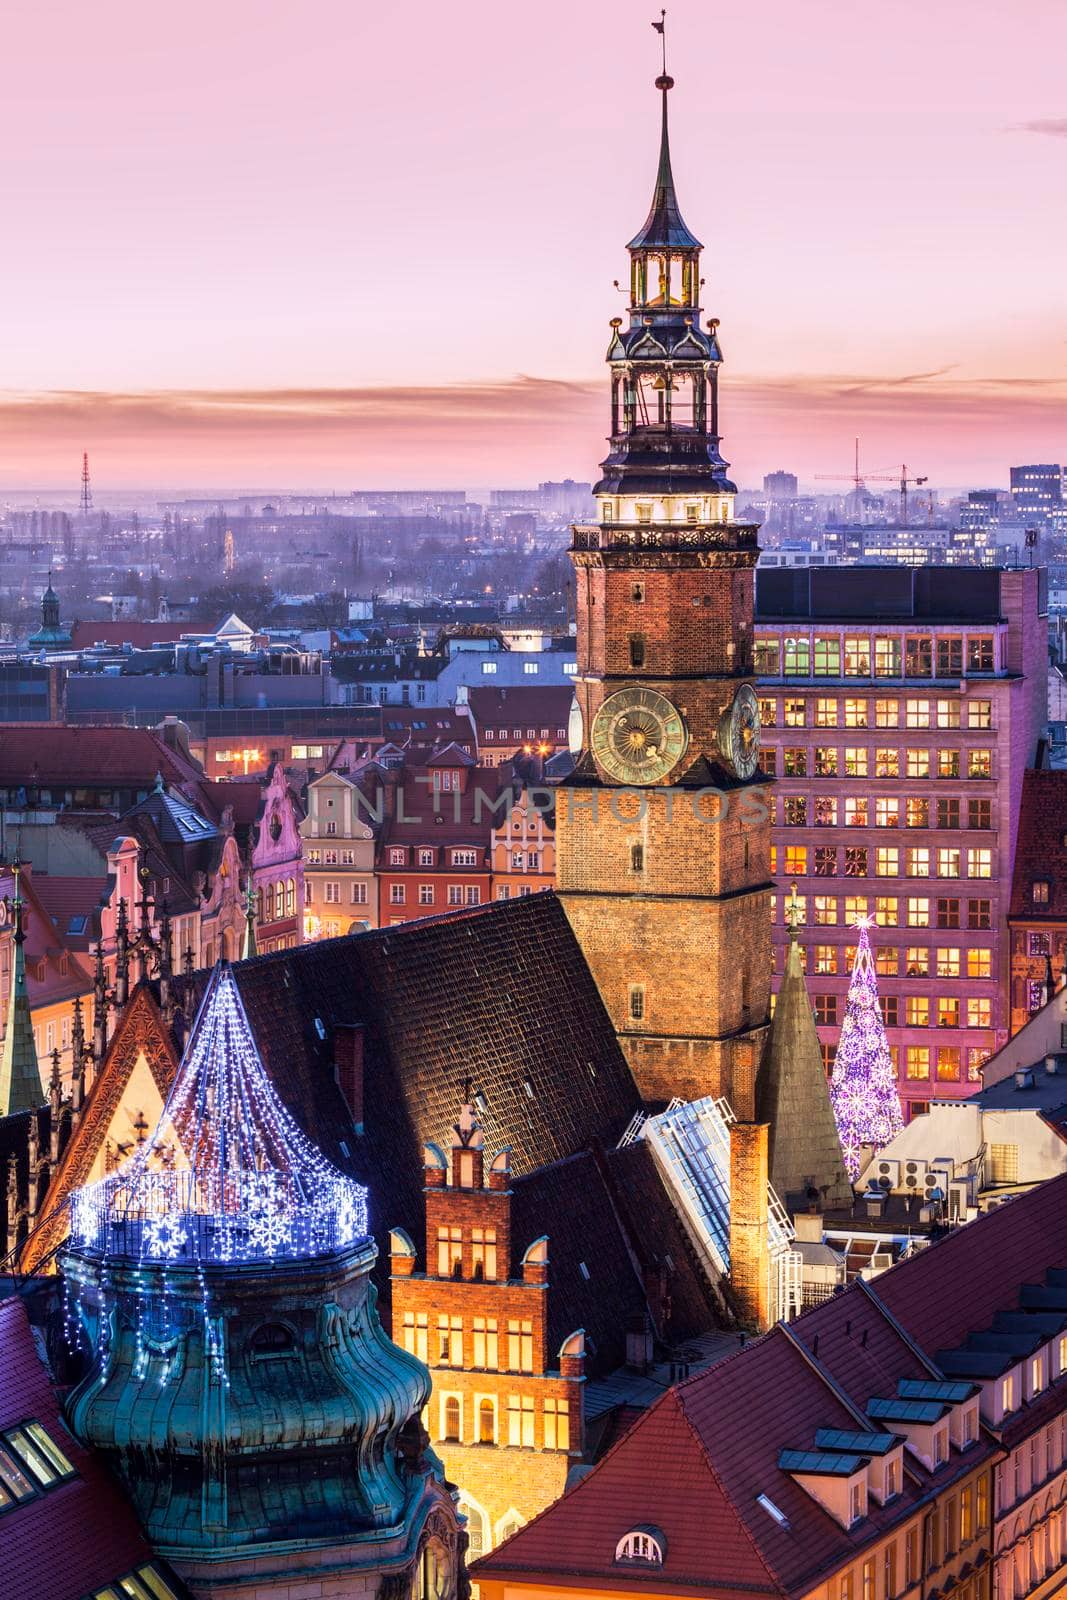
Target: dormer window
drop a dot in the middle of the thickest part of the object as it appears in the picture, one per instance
(940, 1446)
(641, 1544)
(1007, 1393)
(1039, 892)
(892, 1477)
(1036, 1375)
(857, 1501)
(969, 1431)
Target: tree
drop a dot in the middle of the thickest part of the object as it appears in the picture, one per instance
(863, 1085)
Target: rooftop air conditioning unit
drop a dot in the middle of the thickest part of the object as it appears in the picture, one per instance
(913, 1177)
(884, 1175)
(936, 1183)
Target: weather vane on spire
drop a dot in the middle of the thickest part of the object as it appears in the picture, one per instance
(661, 29)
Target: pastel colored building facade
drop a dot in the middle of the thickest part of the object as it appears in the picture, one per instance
(900, 710)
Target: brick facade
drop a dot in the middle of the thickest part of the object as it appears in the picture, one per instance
(505, 1415)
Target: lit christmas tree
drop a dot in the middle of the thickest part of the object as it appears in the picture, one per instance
(863, 1086)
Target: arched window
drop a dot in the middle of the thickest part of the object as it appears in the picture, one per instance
(259, 905)
(486, 1422)
(451, 1417)
(478, 1540)
(290, 897)
(432, 1572)
(637, 858)
(510, 1523)
(272, 1339)
(641, 1544)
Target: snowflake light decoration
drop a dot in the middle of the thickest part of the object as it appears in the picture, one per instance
(227, 1174)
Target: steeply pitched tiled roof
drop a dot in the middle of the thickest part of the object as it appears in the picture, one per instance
(79, 1535)
(609, 1220)
(959, 1284)
(501, 994)
(1041, 848)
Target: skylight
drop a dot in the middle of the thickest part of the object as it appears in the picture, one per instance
(772, 1510)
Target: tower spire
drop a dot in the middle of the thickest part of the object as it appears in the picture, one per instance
(20, 1077)
(248, 946)
(664, 226)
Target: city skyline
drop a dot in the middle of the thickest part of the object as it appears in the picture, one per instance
(206, 227)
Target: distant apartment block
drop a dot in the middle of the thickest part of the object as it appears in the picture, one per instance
(900, 711)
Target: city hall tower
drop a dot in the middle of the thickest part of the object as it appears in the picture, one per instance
(663, 827)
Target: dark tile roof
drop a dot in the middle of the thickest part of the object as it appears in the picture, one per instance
(501, 994)
(79, 1535)
(1041, 847)
(539, 706)
(611, 1227)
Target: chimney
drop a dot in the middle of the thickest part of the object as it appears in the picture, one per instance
(348, 1067)
(749, 1246)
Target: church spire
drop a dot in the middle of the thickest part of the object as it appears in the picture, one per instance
(20, 1077)
(664, 227)
(248, 945)
(806, 1163)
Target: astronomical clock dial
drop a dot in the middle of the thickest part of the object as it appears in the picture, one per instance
(638, 736)
(739, 732)
(575, 729)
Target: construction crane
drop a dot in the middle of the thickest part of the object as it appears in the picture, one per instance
(860, 480)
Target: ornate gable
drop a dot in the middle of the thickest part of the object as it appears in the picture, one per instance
(140, 1056)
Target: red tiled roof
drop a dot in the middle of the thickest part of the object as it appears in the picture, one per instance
(79, 1536)
(546, 705)
(244, 795)
(1041, 848)
(41, 753)
(693, 1467)
(142, 635)
(957, 1285)
(65, 899)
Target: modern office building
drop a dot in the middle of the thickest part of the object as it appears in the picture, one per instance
(1037, 490)
(900, 711)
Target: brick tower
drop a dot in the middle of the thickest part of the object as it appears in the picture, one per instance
(663, 840)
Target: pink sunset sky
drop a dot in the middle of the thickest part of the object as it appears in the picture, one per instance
(249, 244)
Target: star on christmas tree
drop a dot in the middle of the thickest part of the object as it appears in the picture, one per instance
(863, 1086)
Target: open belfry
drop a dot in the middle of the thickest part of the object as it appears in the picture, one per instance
(663, 837)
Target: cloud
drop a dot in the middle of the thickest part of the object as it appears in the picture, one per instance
(515, 430)
(1055, 127)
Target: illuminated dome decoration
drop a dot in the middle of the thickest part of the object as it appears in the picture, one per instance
(235, 1374)
(227, 1176)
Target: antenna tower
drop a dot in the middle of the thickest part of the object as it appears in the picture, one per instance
(87, 492)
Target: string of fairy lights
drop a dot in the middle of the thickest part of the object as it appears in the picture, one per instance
(863, 1085)
(227, 1177)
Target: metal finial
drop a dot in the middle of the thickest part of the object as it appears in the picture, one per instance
(794, 912)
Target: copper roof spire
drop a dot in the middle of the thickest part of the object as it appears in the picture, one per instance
(664, 226)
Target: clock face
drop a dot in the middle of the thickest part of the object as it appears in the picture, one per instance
(575, 729)
(638, 736)
(739, 732)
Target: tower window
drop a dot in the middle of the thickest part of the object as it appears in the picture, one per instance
(637, 1002)
(692, 513)
(644, 513)
(637, 858)
(451, 1417)
(486, 1422)
(637, 593)
(637, 650)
